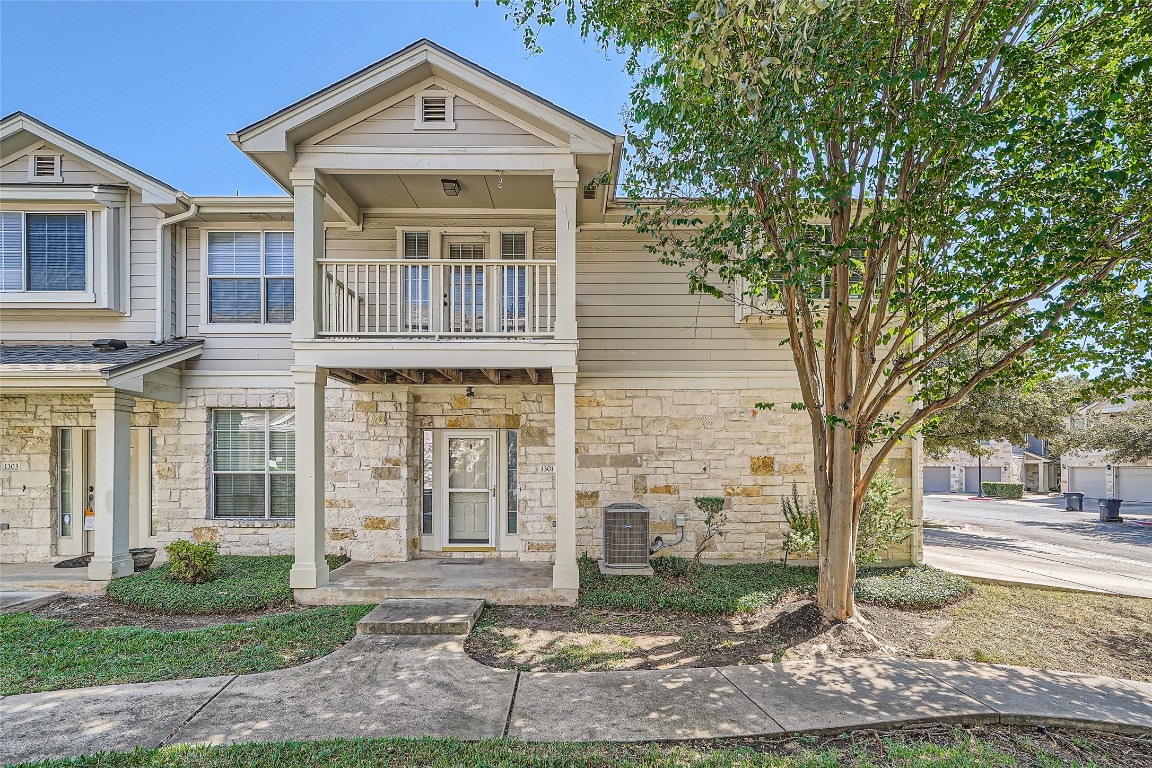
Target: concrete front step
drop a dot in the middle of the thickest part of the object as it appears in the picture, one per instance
(421, 616)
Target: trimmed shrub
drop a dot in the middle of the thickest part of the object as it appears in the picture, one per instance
(917, 588)
(192, 563)
(1003, 490)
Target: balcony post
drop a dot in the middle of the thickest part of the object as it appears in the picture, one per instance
(309, 570)
(564, 182)
(565, 573)
(308, 236)
(111, 486)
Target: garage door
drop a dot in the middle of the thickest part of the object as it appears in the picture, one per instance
(936, 479)
(974, 475)
(1087, 480)
(1134, 483)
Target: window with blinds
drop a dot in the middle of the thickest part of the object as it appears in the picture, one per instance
(253, 464)
(250, 277)
(43, 251)
(514, 282)
(417, 284)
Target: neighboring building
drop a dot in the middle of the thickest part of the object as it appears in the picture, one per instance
(445, 343)
(1095, 475)
(961, 472)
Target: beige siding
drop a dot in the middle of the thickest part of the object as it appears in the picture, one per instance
(72, 171)
(393, 127)
(229, 352)
(635, 315)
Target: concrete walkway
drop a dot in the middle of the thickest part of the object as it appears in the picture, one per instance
(426, 686)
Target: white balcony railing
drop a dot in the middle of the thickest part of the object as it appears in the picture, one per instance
(437, 297)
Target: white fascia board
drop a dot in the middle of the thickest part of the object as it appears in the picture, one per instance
(97, 193)
(338, 160)
(430, 354)
(152, 191)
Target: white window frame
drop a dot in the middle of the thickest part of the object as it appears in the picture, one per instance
(56, 178)
(267, 473)
(206, 324)
(449, 122)
(23, 295)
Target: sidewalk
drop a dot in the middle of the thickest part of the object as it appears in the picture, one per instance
(378, 686)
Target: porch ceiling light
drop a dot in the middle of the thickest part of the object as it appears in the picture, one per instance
(110, 345)
(451, 187)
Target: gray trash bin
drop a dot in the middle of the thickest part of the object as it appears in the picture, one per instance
(1075, 502)
(1110, 510)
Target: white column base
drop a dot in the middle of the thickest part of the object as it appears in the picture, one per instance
(107, 569)
(565, 576)
(308, 576)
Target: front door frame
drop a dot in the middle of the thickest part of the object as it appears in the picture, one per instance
(441, 491)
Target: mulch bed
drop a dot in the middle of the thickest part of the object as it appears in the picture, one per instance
(564, 639)
(99, 611)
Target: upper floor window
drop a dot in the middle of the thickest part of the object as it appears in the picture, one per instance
(43, 251)
(250, 277)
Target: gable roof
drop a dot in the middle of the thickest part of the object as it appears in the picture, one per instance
(312, 111)
(152, 189)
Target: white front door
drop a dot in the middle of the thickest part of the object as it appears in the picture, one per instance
(469, 472)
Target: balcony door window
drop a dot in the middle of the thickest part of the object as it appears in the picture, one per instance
(465, 285)
(416, 285)
(513, 283)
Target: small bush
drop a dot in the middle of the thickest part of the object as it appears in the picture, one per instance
(1003, 490)
(803, 536)
(714, 520)
(192, 563)
(916, 588)
(882, 526)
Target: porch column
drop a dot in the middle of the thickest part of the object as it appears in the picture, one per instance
(308, 237)
(110, 558)
(309, 569)
(564, 183)
(565, 574)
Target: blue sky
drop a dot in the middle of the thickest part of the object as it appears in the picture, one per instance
(161, 84)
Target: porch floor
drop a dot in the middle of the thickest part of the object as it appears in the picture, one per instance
(42, 576)
(497, 581)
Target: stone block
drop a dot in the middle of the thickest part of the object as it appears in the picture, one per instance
(381, 523)
(624, 460)
(762, 465)
(386, 473)
(587, 498)
(665, 490)
(591, 460)
(205, 533)
(364, 406)
(585, 401)
(505, 421)
(541, 546)
(742, 490)
(459, 402)
(639, 484)
(341, 534)
(662, 527)
(534, 437)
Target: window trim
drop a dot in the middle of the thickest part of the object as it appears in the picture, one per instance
(267, 474)
(206, 326)
(449, 122)
(87, 293)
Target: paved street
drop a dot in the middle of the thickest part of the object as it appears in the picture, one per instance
(1037, 541)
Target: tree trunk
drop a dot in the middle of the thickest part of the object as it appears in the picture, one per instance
(838, 524)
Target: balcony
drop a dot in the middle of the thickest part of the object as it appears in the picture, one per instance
(446, 299)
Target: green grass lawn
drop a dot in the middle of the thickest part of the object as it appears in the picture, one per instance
(679, 585)
(957, 749)
(245, 584)
(47, 654)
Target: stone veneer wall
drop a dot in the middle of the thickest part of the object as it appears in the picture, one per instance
(662, 447)
(29, 437)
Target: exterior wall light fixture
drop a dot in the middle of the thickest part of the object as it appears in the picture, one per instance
(451, 187)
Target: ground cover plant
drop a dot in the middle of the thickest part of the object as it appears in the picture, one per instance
(38, 654)
(242, 584)
(922, 745)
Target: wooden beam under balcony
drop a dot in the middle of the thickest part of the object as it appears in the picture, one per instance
(491, 374)
(412, 376)
(533, 375)
(441, 376)
(452, 374)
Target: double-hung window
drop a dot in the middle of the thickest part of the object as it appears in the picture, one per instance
(253, 463)
(250, 277)
(43, 251)
(417, 284)
(514, 310)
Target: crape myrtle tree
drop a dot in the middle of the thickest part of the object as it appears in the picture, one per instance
(979, 171)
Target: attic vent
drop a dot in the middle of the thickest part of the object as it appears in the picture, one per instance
(590, 192)
(434, 109)
(44, 168)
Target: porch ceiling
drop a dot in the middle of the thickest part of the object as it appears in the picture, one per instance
(424, 190)
(443, 376)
